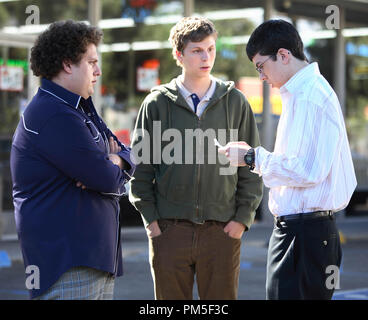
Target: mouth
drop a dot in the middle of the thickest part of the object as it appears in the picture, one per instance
(205, 68)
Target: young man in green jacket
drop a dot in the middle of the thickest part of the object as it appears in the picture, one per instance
(194, 206)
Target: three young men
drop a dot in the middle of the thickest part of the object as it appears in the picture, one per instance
(68, 168)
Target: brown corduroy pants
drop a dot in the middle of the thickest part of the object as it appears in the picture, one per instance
(185, 249)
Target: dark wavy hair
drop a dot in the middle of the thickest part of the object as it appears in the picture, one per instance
(62, 41)
(272, 35)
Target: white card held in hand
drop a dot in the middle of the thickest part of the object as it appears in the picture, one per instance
(217, 144)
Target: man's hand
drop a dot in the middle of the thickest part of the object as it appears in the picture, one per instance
(114, 147)
(234, 229)
(153, 230)
(81, 185)
(115, 159)
(235, 152)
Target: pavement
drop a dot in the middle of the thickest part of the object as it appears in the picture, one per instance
(136, 284)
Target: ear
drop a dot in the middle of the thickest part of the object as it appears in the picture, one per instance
(67, 66)
(285, 55)
(178, 55)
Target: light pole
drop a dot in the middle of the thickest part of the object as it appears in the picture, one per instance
(267, 133)
(188, 8)
(94, 16)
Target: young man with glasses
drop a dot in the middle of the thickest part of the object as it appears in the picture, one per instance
(310, 173)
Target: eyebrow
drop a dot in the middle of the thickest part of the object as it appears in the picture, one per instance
(211, 46)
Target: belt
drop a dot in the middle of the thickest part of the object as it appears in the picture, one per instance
(189, 222)
(304, 216)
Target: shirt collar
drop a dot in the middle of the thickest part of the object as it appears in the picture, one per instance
(61, 93)
(187, 94)
(296, 82)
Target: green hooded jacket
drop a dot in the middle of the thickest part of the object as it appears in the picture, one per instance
(179, 174)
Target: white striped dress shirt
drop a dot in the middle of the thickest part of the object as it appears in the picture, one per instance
(311, 168)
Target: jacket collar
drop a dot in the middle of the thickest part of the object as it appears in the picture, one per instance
(186, 94)
(62, 94)
(172, 91)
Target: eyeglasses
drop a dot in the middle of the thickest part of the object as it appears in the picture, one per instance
(259, 68)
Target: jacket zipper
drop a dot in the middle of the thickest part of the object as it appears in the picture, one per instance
(198, 179)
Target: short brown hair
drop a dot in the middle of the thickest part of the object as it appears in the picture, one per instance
(193, 29)
(62, 41)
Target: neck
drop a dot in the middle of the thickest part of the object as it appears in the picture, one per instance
(297, 66)
(66, 83)
(199, 86)
(59, 80)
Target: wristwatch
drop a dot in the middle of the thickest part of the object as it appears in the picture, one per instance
(249, 158)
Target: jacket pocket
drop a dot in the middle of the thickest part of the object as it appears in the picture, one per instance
(177, 183)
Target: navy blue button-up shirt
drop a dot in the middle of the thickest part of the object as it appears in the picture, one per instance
(59, 141)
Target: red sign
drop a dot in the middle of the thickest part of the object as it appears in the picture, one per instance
(148, 4)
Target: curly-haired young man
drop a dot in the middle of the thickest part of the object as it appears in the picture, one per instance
(68, 172)
(195, 216)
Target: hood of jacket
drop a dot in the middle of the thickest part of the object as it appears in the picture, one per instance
(171, 91)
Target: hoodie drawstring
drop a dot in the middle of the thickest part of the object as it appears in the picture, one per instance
(227, 114)
(168, 111)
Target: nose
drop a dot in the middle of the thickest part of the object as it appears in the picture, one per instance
(262, 76)
(205, 55)
(97, 71)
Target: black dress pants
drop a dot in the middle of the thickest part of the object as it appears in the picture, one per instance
(302, 256)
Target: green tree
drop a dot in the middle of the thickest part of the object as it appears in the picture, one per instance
(3, 15)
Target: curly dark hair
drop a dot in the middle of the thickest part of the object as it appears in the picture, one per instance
(62, 41)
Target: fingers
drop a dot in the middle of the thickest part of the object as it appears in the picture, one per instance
(115, 159)
(81, 185)
(153, 229)
(234, 152)
(114, 147)
(223, 150)
(234, 229)
(233, 144)
(238, 143)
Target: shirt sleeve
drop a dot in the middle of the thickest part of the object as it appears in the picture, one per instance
(68, 145)
(142, 189)
(307, 150)
(125, 152)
